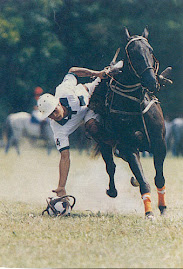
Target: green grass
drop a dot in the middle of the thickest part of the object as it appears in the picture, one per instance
(115, 235)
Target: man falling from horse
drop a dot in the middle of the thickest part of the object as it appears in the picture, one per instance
(67, 110)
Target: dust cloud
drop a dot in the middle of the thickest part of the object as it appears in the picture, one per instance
(31, 176)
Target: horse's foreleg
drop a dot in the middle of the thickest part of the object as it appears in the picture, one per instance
(103, 140)
(136, 167)
(133, 160)
(107, 155)
(159, 157)
(156, 128)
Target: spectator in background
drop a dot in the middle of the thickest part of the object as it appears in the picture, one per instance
(36, 115)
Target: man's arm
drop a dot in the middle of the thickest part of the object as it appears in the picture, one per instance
(63, 172)
(84, 72)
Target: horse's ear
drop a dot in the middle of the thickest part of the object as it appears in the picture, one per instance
(145, 33)
(127, 33)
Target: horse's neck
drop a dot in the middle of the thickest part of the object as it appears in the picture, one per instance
(123, 103)
(127, 77)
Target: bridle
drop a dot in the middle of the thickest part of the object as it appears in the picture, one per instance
(156, 63)
(124, 90)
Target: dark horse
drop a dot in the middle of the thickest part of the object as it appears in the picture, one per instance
(132, 118)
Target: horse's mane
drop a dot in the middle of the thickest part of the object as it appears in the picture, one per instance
(97, 100)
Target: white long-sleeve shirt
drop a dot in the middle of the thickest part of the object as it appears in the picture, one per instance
(75, 98)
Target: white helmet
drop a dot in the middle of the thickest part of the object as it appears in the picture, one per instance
(47, 104)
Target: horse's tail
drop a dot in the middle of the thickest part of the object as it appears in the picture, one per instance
(96, 150)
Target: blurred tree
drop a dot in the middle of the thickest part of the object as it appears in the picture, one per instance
(28, 51)
(41, 39)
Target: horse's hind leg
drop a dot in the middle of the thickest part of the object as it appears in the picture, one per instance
(107, 155)
(9, 144)
(7, 147)
(159, 157)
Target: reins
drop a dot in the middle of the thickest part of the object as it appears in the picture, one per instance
(126, 88)
(121, 92)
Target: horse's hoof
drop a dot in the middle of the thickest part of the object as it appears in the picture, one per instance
(150, 216)
(134, 182)
(162, 210)
(112, 193)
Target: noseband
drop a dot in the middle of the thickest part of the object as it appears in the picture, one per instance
(156, 63)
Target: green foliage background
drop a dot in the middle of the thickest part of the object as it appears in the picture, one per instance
(41, 39)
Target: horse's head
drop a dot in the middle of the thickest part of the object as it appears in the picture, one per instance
(141, 60)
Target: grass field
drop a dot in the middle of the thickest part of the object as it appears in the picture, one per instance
(101, 232)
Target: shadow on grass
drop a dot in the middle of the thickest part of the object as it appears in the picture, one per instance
(86, 214)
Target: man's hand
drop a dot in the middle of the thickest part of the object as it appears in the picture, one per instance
(114, 69)
(60, 191)
(101, 74)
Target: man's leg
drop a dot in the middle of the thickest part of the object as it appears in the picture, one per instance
(97, 132)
